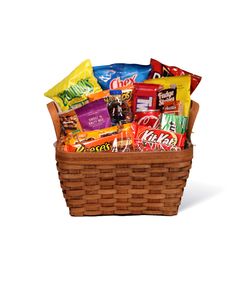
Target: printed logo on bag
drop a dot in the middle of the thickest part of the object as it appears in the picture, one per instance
(164, 138)
(117, 82)
(144, 103)
(103, 147)
(127, 95)
(165, 73)
(166, 95)
(76, 90)
(150, 120)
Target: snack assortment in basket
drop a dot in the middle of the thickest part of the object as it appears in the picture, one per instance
(124, 107)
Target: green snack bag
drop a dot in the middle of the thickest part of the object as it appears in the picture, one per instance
(174, 123)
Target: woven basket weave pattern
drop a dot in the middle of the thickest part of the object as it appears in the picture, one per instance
(141, 186)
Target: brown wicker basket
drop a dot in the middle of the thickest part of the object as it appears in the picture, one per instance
(126, 182)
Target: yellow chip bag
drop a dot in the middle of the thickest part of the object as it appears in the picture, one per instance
(72, 91)
(174, 88)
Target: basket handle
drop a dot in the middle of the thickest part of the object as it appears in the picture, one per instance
(55, 118)
(192, 116)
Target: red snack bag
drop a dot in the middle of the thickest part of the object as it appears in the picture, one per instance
(148, 137)
(151, 118)
(145, 96)
(160, 70)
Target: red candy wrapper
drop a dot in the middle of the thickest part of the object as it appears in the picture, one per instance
(173, 107)
(145, 96)
(160, 70)
(151, 118)
(149, 139)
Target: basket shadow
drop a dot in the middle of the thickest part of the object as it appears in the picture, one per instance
(196, 193)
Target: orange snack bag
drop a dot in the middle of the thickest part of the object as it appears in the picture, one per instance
(98, 95)
(121, 141)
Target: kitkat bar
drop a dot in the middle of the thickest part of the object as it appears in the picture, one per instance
(160, 70)
(148, 135)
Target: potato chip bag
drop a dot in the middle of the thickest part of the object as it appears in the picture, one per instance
(180, 84)
(72, 91)
(160, 70)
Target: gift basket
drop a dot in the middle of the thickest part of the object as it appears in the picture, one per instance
(124, 137)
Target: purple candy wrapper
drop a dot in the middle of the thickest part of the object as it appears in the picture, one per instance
(94, 116)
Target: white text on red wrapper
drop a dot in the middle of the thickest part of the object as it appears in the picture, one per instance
(144, 104)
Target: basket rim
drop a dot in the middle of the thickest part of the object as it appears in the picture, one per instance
(126, 157)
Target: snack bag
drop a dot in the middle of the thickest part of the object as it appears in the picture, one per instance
(160, 70)
(94, 116)
(82, 137)
(98, 95)
(174, 123)
(71, 91)
(119, 110)
(119, 142)
(69, 122)
(120, 75)
(127, 94)
(174, 88)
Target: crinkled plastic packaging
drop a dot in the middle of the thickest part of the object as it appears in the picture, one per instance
(150, 139)
(174, 123)
(72, 91)
(161, 70)
(81, 137)
(182, 86)
(98, 95)
(69, 122)
(119, 110)
(94, 116)
(121, 75)
(119, 142)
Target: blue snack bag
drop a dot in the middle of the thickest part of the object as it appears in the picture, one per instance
(120, 75)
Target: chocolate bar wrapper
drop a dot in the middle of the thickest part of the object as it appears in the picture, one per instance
(119, 142)
(149, 137)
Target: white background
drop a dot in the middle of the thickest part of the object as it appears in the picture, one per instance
(41, 42)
